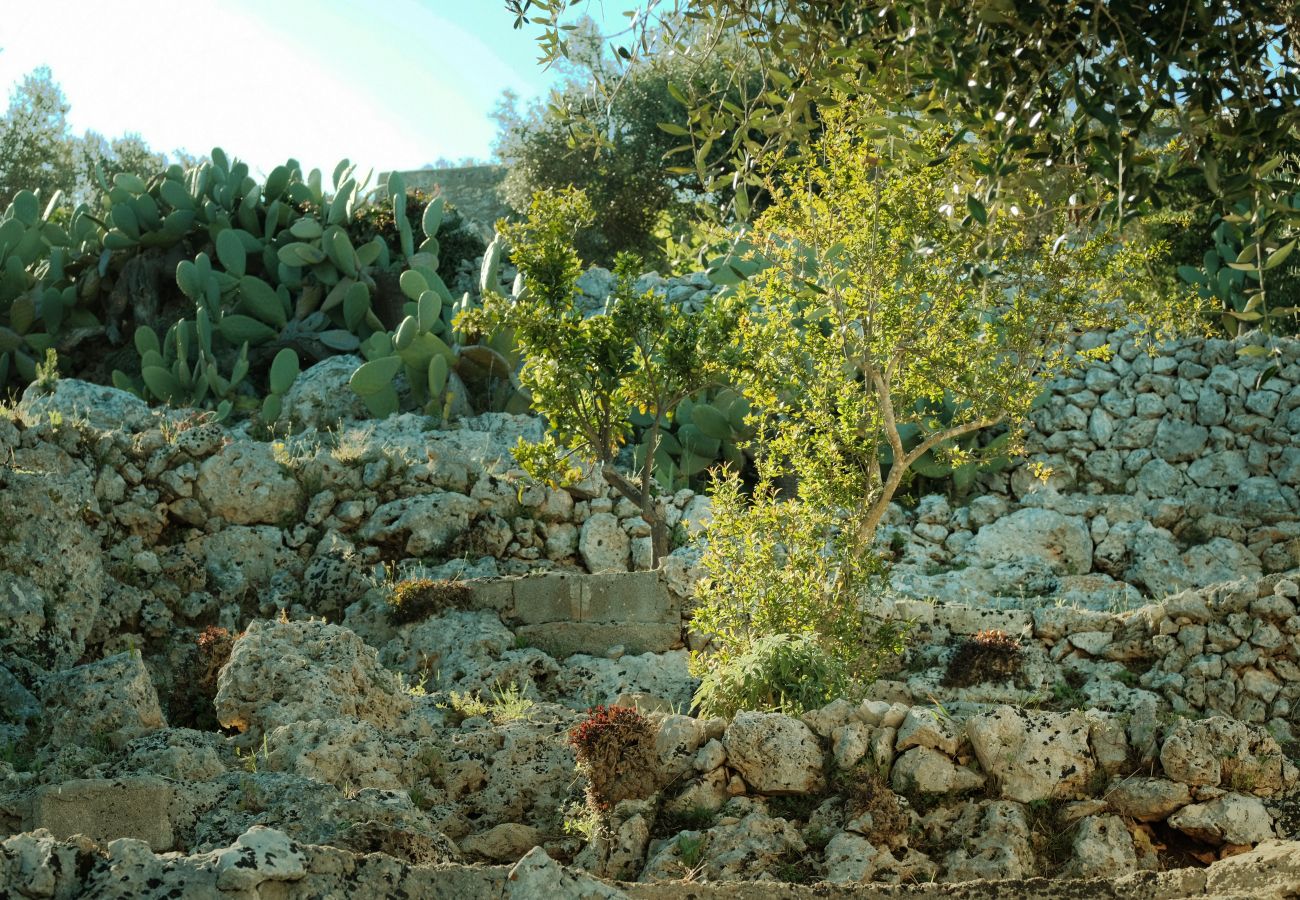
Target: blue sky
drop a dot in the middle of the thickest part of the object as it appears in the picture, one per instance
(388, 83)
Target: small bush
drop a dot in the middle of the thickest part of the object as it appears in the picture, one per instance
(991, 655)
(786, 604)
(790, 673)
(502, 705)
(419, 598)
(615, 750)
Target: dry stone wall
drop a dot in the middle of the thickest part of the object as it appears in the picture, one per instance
(1170, 468)
(198, 657)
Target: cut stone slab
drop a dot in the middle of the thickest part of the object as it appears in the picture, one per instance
(106, 809)
(564, 639)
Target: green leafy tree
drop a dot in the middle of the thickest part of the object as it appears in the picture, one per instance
(612, 130)
(1055, 88)
(36, 148)
(585, 372)
(876, 310)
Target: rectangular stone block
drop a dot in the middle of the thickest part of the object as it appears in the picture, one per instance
(546, 598)
(496, 594)
(561, 639)
(106, 809)
(630, 597)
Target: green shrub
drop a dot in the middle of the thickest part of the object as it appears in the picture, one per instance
(788, 673)
(419, 598)
(781, 640)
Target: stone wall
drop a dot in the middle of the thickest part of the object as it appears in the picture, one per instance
(474, 190)
(1170, 469)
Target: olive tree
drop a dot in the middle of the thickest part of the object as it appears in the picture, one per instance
(1139, 97)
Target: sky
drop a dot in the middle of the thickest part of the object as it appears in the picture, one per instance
(385, 83)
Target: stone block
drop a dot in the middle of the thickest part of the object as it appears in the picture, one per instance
(563, 639)
(634, 597)
(106, 809)
(496, 594)
(546, 598)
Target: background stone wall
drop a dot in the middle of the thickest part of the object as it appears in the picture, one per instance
(474, 190)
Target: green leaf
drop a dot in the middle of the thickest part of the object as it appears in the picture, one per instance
(438, 372)
(413, 284)
(271, 408)
(161, 383)
(284, 370)
(230, 252)
(406, 333)
(300, 255)
(239, 329)
(383, 403)
(373, 377)
(432, 219)
(146, 339)
(356, 303)
(306, 229)
(339, 339)
(1278, 256)
(977, 210)
(261, 300)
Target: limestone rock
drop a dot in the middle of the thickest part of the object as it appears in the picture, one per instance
(594, 679)
(107, 809)
(1230, 819)
(344, 753)
(603, 544)
(520, 771)
(748, 850)
(775, 754)
(537, 875)
(180, 754)
(245, 485)
(504, 843)
(283, 673)
(259, 855)
(424, 525)
(1225, 752)
(1147, 799)
(1101, 846)
(677, 740)
(926, 727)
(47, 540)
(926, 771)
(320, 397)
(994, 843)
(101, 406)
(1033, 755)
(114, 697)
(1061, 542)
(850, 859)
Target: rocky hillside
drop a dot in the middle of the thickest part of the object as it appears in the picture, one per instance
(358, 660)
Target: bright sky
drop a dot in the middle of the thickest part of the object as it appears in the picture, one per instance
(386, 83)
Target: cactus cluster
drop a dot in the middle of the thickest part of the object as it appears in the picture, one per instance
(424, 346)
(39, 295)
(229, 282)
(705, 432)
